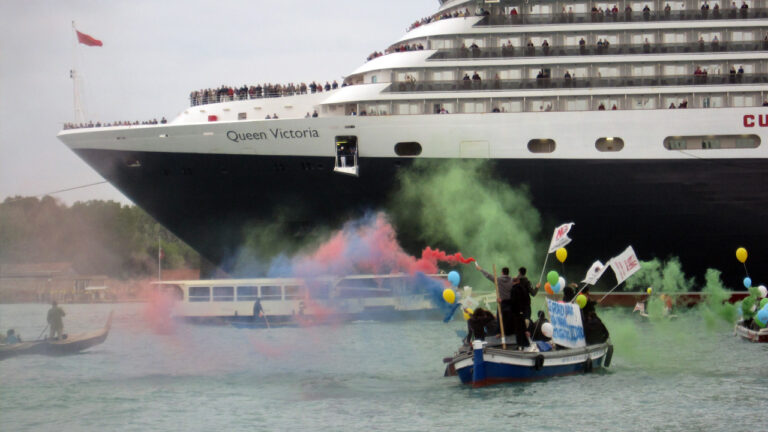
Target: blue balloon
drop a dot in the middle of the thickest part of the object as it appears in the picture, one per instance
(747, 282)
(762, 316)
(556, 288)
(454, 278)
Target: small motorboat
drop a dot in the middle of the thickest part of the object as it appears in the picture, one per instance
(750, 334)
(488, 363)
(71, 344)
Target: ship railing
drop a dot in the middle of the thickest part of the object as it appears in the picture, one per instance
(624, 16)
(578, 82)
(611, 49)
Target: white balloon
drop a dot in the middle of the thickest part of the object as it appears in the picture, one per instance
(547, 329)
(763, 291)
(561, 281)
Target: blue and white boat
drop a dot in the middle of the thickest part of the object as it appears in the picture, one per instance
(488, 363)
(492, 361)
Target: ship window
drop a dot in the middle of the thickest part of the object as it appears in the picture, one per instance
(543, 145)
(609, 144)
(247, 293)
(242, 116)
(199, 294)
(294, 292)
(224, 294)
(271, 293)
(408, 149)
(712, 142)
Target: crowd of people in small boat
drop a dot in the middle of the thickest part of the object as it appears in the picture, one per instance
(91, 124)
(514, 300)
(268, 90)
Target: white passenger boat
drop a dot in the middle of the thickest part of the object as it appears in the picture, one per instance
(569, 98)
(268, 302)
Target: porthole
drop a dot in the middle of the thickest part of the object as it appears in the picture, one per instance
(712, 142)
(408, 149)
(609, 144)
(541, 145)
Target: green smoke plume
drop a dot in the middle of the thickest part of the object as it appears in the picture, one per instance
(459, 206)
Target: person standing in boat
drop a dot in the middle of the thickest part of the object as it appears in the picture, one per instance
(527, 288)
(56, 321)
(258, 310)
(511, 304)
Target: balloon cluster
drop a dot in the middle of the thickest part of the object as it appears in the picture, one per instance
(755, 306)
(555, 283)
(449, 295)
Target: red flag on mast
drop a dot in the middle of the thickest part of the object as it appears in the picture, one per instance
(87, 40)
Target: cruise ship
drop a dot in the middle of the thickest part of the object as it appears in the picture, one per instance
(641, 121)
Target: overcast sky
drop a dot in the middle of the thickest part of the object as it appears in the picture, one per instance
(154, 54)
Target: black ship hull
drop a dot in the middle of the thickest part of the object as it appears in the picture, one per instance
(699, 210)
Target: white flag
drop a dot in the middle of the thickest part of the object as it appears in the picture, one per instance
(625, 265)
(560, 237)
(594, 272)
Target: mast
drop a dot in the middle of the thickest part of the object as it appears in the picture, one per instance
(79, 112)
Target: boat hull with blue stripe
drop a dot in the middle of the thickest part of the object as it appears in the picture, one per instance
(486, 365)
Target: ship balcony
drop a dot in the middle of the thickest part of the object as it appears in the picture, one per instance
(578, 83)
(623, 16)
(612, 49)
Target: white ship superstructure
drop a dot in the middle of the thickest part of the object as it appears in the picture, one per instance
(651, 112)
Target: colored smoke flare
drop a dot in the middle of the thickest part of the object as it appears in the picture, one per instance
(365, 246)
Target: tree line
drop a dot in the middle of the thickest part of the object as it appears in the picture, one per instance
(97, 237)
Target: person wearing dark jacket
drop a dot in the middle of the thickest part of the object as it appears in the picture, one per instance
(512, 299)
(528, 289)
(594, 329)
(480, 324)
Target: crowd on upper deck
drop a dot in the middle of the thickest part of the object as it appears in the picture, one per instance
(228, 93)
(91, 124)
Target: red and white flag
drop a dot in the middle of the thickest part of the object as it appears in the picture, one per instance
(87, 40)
(625, 265)
(560, 237)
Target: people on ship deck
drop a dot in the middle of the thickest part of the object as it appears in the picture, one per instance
(55, 320)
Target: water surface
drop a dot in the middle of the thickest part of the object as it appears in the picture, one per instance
(366, 376)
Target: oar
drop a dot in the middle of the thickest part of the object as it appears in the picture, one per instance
(41, 333)
(498, 308)
(265, 318)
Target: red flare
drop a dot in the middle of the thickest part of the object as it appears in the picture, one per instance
(435, 255)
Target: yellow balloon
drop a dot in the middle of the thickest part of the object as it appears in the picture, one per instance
(449, 296)
(649, 290)
(561, 254)
(581, 300)
(467, 313)
(741, 254)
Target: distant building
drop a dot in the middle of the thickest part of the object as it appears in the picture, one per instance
(43, 282)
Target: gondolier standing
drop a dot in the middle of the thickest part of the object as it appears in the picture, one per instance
(55, 320)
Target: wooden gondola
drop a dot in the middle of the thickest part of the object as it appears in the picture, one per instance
(72, 344)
